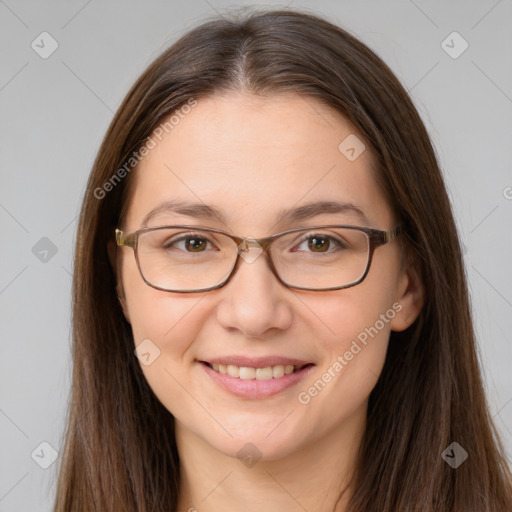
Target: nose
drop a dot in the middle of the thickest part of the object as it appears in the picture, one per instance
(254, 301)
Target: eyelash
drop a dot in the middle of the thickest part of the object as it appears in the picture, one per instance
(307, 236)
(168, 244)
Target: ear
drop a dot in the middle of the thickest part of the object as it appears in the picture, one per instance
(114, 263)
(411, 297)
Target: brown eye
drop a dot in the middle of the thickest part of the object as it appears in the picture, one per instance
(195, 244)
(317, 244)
(188, 243)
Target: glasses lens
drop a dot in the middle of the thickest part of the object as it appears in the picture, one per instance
(321, 258)
(183, 259)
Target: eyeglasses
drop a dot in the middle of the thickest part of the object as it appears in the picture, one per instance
(197, 259)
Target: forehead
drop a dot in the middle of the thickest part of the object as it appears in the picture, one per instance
(253, 157)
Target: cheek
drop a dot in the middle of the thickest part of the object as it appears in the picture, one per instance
(170, 321)
(345, 315)
(164, 328)
(145, 305)
(353, 332)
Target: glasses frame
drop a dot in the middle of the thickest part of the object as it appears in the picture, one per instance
(376, 238)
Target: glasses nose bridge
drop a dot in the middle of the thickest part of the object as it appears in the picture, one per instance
(243, 252)
(244, 244)
(260, 245)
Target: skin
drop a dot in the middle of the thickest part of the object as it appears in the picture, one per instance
(251, 157)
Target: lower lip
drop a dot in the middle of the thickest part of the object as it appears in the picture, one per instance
(253, 388)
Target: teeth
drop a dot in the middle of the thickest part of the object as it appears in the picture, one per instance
(233, 371)
(248, 373)
(278, 371)
(266, 373)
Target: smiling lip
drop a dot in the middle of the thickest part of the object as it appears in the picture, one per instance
(253, 388)
(255, 362)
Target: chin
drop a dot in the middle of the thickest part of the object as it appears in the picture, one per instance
(255, 441)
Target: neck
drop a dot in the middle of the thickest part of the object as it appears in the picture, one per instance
(310, 478)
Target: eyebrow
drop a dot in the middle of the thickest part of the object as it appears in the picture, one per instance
(207, 212)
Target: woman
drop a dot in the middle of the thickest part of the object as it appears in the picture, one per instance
(270, 306)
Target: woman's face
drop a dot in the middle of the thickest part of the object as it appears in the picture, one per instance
(252, 159)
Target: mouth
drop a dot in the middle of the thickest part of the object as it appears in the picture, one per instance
(254, 378)
(252, 373)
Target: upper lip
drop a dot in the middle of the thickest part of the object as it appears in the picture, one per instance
(255, 362)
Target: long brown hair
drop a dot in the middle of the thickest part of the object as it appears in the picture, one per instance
(120, 452)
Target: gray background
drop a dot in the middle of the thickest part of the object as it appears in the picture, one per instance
(54, 113)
